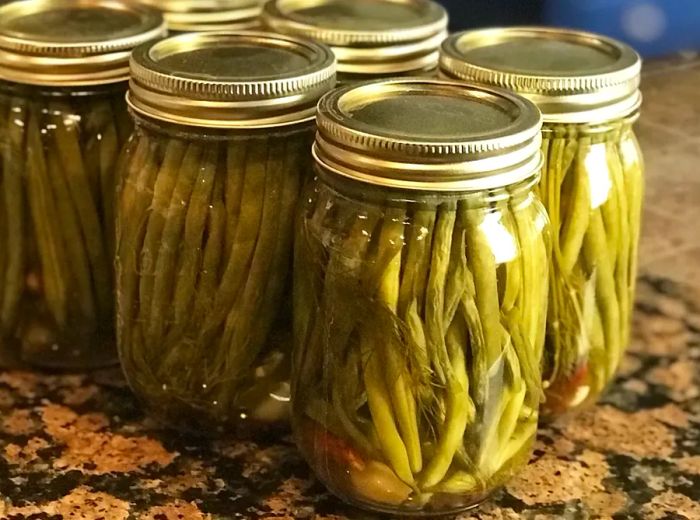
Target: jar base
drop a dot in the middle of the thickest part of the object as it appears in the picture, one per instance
(10, 355)
(195, 424)
(63, 361)
(470, 505)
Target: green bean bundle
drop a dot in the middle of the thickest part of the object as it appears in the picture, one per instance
(592, 186)
(587, 88)
(204, 246)
(418, 328)
(58, 158)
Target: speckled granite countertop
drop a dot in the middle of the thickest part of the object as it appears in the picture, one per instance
(76, 447)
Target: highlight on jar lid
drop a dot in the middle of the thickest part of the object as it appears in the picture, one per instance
(572, 76)
(423, 134)
(209, 15)
(230, 80)
(367, 36)
(72, 42)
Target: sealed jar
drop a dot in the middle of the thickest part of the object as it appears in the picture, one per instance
(63, 121)
(587, 87)
(211, 178)
(370, 39)
(184, 16)
(420, 287)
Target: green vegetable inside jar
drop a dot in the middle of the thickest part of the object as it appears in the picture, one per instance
(371, 39)
(420, 289)
(210, 183)
(587, 87)
(63, 121)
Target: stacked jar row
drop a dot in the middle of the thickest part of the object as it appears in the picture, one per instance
(461, 254)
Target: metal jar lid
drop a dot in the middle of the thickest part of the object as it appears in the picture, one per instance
(209, 15)
(230, 80)
(72, 42)
(367, 36)
(432, 135)
(572, 76)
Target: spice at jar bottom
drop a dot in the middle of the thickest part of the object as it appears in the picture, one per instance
(56, 225)
(592, 186)
(203, 254)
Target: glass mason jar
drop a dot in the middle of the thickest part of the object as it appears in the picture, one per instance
(211, 178)
(587, 87)
(183, 16)
(372, 40)
(63, 121)
(420, 289)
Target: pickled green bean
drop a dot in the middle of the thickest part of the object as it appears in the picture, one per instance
(213, 251)
(594, 258)
(67, 146)
(214, 248)
(73, 241)
(162, 193)
(483, 265)
(460, 408)
(44, 219)
(14, 157)
(413, 288)
(575, 226)
(174, 229)
(435, 292)
(245, 239)
(397, 377)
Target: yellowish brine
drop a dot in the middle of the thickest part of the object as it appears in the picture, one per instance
(62, 126)
(205, 214)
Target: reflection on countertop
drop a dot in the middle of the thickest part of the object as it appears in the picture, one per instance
(77, 447)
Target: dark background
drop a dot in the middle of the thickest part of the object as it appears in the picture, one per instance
(653, 27)
(466, 14)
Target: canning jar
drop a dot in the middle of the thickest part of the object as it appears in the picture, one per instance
(63, 120)
(184, 16)
(211, 178)
(370, 39)
(587, 87)
(420, 289)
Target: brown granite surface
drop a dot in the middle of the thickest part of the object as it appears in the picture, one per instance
(77, 447)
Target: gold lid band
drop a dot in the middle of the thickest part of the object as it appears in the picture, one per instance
(230, 80)
(368, 37)
(72, 42)
(430, 135)
(209, 15)
(572, 76)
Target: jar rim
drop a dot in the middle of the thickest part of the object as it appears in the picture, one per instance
(367, 39)
(428, 134)
(208, 15)
(572, 76)
(244, 79)
(73, 42)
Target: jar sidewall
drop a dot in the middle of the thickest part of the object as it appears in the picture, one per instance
(347, 231)
(65, 144)
(204, 163)
(608, 157)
